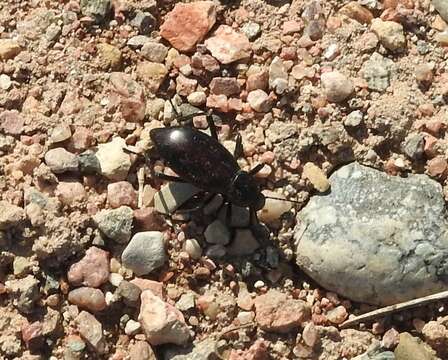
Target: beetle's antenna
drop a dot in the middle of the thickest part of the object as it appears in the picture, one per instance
(274, 198)
(174, 108)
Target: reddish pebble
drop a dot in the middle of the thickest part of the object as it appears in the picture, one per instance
(187, 24)
(225, 86)
(32, 334)
(121, 193)
(434, 126)
(88, 298)
(185, 86)
(148, 219)
(437, 167)
(235, 104)
(92, 270)
(291, 27)
(228, 45)
(430, 146)
(310, 335)
(288, 53)
(145, 284)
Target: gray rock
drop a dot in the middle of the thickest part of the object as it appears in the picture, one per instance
(376, 352)
(116, 224)
(145, 252)
(154, 52)
(144, 22)
(97, 9)
(89, 163)
(244, 243)
(442, 8)
(60, 160)
(206, 349)
(375, 238)
(414, 145)
(138, 41)
(377, 72)
(129, 292)
(217, 233)
(25, 293)
(172, 195)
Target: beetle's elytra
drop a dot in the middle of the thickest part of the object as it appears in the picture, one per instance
(204, 162)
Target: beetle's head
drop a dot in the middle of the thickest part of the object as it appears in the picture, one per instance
(245, 192)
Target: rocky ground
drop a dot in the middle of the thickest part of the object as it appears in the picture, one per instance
(95, 262)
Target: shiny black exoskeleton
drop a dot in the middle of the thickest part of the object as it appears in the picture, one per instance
(204, 162)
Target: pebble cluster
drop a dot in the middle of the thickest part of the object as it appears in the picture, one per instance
(89, 265)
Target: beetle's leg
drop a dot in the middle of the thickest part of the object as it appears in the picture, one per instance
(253, 216)
(256, 169)
(212, 126)
(163, 176)
(238, 152)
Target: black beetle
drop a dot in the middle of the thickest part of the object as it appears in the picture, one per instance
(204, 162)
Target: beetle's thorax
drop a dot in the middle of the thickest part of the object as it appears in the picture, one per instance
(244, 191)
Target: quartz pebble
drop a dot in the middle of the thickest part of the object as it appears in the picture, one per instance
(162, 322)
(145, 252)
(336, 86)
(113, 160)
(273, 209)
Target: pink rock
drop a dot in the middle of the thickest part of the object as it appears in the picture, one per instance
(187, 24)
(148, 219)
(88, 298)
(156, 287)
(185, 86)
(258, 351)
(91, 331)
(259, 100)
(121, 193)
(32, 334)
(218, 102)
(225, 86)
(275, 312)
(438, 167)
(71, 104)
(259, 80)
(141, 350)
(124, 85)
(228, 46)
(70, 192)
(162, 323)
(132, 109)
(235, 104)
(391, 338)
(310, 335)
(337, 315)
(92, 270)
(11, 122)
(81, 139)
(291, 27)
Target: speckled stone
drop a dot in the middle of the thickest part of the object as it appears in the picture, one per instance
(375, 238)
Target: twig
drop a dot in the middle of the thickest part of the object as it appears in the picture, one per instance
(141, 185)
(394, 308)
